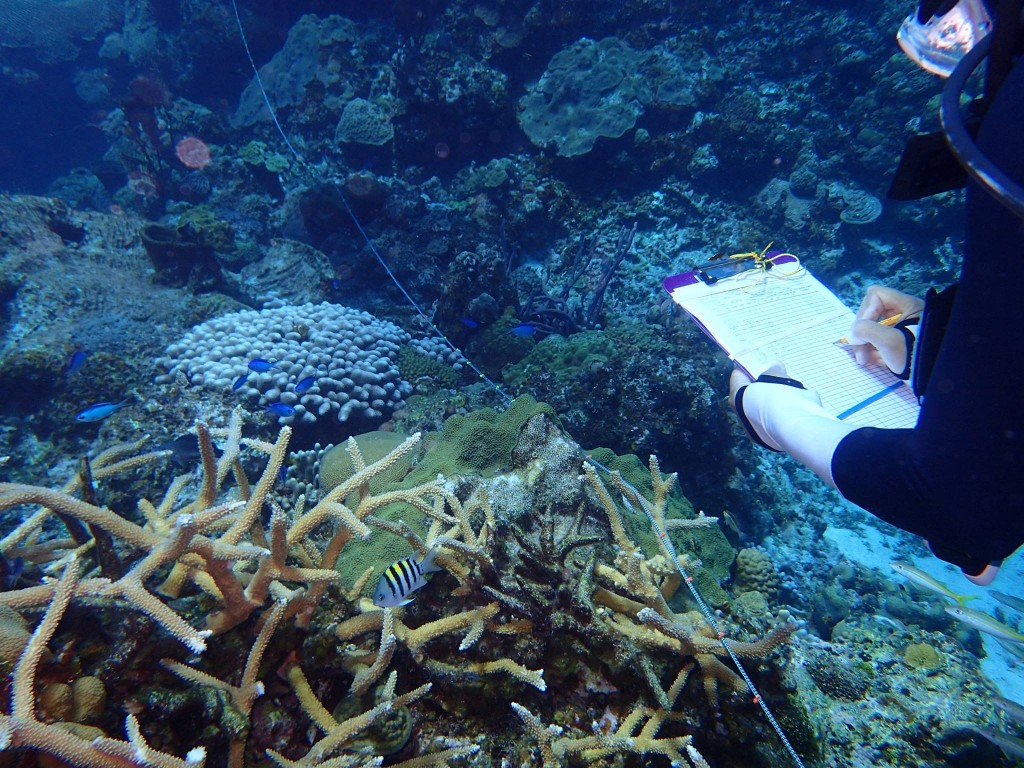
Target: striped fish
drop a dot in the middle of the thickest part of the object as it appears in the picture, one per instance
(401, 579)
(1011, 745)
(984, 623)
(1012, 709)
(1013, 602)
(928, 582)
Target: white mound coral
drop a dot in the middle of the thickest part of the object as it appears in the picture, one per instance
(351, 355)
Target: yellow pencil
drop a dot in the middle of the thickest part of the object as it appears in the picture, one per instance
(890, 321)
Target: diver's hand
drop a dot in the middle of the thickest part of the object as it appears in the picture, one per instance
(877, 343)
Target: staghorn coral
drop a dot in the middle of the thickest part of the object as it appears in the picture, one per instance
(217, 547)
(534, 600)
(638, 591)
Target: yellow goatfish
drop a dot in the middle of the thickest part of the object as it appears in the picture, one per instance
(928, 583)
(984, 623)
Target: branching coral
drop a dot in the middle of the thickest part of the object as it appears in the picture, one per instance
(21, 728)
(638, 592)
(522, 599)
(219, 545)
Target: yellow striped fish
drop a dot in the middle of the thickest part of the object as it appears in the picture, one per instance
(984, 623)
(401, 579)
(928, 582)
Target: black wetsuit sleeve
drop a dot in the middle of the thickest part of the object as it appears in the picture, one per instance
(957, 479)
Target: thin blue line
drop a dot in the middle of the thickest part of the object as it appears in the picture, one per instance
(868, 401)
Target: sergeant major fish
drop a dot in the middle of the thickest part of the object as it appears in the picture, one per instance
(401, 579)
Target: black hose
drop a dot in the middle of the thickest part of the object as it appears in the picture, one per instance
(1004, 189)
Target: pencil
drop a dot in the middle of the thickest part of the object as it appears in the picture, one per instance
(890, 321)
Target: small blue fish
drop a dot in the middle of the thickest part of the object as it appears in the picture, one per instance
(100, 411)
(75, 362)
(469, 322)
(261, 366)
(304, 385)
(279, 409)
(522, 330)
(402, 578)
(240, 381)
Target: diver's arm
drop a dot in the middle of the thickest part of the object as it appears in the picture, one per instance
(780, 414)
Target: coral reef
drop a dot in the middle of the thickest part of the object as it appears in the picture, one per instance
(525, 171)
(510, 613)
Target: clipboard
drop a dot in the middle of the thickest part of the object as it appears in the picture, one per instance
(767, 308)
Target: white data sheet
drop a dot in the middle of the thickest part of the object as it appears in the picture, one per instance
(786, 315)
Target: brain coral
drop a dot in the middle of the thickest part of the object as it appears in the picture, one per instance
(351, 354)
(590, 89)
(363, 122)
(755, 572)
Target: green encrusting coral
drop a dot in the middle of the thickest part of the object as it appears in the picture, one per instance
(478, 443)
(564, 357)
(258, 154)
(415, 366)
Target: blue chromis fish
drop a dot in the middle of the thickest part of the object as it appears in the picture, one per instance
(279, 409)
(928, 582)
(304, 385)
(522, 330)
(100, 411)
(401, 579)
(984, 623)
(240, 381)
(75, 362)
(260, 365)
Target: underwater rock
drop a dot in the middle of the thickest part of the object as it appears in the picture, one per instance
(179, 256)
(591, 89)
(839, 677)
(290, 272)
